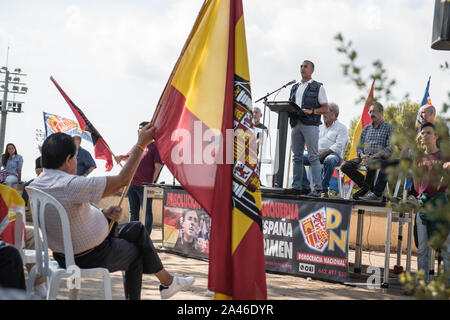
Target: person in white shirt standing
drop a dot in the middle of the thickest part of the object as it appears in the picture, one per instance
(311, 97)
(333, 138)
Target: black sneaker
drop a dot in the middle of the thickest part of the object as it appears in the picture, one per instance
(314, 193)
(361, 192)
(292, 191)
(305, 192)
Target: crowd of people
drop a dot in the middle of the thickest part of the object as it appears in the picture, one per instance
(326, 143)
(63, 171)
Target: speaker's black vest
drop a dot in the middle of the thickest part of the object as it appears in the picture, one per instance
(310, 101)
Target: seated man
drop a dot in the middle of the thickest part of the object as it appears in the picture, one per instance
(333, 138)
(373, 150)
(93, 245)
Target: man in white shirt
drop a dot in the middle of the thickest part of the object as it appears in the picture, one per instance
(333, 138)
(93, 245)
(311, 97)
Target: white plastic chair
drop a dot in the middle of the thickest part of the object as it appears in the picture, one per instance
(28, 255)
(44, 266)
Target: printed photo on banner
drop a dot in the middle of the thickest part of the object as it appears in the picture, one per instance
(186, 224)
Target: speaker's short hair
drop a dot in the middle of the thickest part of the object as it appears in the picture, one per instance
(310, 62)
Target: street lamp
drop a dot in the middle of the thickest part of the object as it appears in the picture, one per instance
(13, 78)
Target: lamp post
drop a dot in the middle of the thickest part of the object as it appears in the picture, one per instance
(11, 77)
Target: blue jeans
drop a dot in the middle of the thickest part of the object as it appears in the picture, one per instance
(329, 163)
(300, 135)
(11, 180)
(135, 196)
(424, 250)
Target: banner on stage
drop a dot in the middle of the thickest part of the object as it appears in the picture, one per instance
(307, 237)
(186, 224)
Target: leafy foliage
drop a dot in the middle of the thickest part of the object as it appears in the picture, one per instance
(408, 149)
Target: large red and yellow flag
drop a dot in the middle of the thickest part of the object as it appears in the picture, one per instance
(363, 121)
(204, 133)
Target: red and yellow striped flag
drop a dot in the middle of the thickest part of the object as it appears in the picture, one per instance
(364, 120)
(204, 133)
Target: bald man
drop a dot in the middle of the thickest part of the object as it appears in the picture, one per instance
(427, 113)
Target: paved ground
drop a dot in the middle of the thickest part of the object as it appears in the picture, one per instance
(279, 286)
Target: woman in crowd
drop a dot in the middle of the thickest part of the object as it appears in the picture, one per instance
(12, 162)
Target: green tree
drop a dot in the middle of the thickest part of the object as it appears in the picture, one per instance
(402, 116)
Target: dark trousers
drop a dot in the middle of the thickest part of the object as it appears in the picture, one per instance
(350, 168)
(135, 196)
(11, 267)
(24, 192)
(132, 251)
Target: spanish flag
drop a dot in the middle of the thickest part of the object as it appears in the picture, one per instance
(364, 120)
(204, 133)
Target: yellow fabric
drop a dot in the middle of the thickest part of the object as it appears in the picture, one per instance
(201, 73)
(11, 196)
(221, 296)
(355, 140)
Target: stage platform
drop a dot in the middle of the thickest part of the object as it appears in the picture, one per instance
(277, 209)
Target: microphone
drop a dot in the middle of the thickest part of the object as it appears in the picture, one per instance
(289, 83)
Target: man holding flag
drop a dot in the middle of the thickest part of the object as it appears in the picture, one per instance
(93, 246)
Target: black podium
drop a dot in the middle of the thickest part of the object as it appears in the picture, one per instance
(283, 108)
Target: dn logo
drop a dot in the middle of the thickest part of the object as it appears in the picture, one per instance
(74, 280)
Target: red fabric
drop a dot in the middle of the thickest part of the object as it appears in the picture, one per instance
(8, 233)
(365, 117)
(197, 179)
(101, 148)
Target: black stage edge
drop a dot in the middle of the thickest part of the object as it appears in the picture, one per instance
(281, 194)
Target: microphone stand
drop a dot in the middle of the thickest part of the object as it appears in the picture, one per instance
(264, 116)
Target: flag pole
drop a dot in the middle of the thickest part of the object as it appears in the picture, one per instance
(124, 192)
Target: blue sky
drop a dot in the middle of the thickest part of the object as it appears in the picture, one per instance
(113, 58)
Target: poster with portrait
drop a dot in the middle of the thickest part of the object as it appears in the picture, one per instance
(186, 224)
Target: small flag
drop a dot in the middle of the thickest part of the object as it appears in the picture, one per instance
(364, 120)
(54, 123)
(101, 148)
(426, 100)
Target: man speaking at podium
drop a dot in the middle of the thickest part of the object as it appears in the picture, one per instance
(311, 97)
